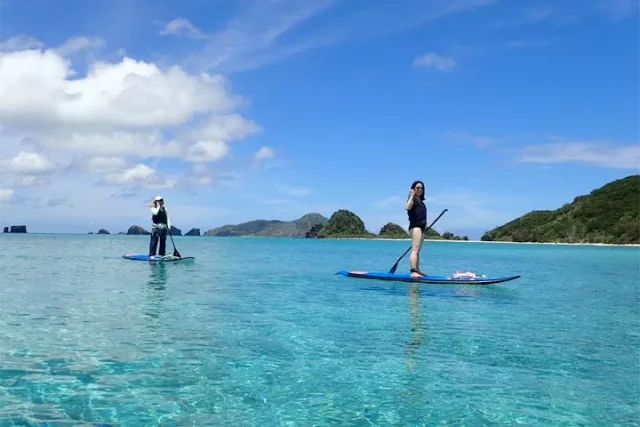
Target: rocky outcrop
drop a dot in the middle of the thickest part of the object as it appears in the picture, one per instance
(6, 230)
(313, 233)
(18, 229)
(175, 231)
(392, 230)
(344, 224)
(193, 232)
(103, 231)
(136, 230)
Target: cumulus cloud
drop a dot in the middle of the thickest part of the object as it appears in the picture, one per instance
(118, 109)
(105, 164)
(434, 60)
(80, 43)
(108, 130)
(264, 153)
(6, 194)
(20, 42)
(28, 163)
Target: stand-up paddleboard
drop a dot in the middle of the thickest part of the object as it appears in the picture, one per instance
(157, 258)
(439, 280)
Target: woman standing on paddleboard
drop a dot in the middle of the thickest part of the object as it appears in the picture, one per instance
(417, 212)
(159, 227)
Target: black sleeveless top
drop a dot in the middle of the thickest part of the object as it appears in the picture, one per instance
(417, 214)
(160, 217)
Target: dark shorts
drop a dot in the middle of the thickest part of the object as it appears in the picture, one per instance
(421, 226)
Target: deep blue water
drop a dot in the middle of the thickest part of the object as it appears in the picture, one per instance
(261, 332)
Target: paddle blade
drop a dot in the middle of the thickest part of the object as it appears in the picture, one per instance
(395, 266)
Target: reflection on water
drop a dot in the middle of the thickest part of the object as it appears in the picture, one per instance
(158, 276)
(417, 329)
(156, 287)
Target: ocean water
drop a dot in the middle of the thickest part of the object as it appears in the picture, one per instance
(260, 332)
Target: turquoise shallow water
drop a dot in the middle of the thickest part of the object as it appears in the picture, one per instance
(261, 332)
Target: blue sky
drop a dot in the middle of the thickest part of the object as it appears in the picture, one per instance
(499, 106)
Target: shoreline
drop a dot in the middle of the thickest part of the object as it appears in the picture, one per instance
(488, 242)
(405, 239)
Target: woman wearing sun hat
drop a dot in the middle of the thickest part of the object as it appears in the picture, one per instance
(159, 227)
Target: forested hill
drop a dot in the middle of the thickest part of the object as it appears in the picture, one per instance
(609, 214)
(273, 228)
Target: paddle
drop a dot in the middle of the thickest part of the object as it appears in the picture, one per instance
(395, 266)
(175, 251)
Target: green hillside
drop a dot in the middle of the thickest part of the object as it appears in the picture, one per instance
(297, 228)
(344, 224)
(609, 214)
(393, 231)
(269, 228)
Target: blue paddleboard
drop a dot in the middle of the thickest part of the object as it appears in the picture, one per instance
(156, 258)
(439, 280)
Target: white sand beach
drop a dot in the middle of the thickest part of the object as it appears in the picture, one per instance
(487, 242)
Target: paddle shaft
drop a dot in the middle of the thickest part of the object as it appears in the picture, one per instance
(395, 266)
(175, 251)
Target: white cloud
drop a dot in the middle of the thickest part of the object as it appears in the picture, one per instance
(105, 164)
(28, 163)
(30, 181)
(207, 151)
(263, 153)
(251, 39)
(70, 141)
(434, 60)
(138, 173)
(20, 42)
(80, 43)
(182, 26)
(210, 139)
(6, 194)
(257, 35)
(117, 109)
(597, 154)
(36, 88)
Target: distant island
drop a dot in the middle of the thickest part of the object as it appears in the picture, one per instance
(15, 229)
(271, 228)
(136, 230)
(343, 224)
(608, 215)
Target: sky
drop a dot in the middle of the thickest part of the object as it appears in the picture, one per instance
(235, 110)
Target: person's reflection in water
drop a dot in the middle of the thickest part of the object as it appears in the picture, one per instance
(417, 329)
(156, 286)
(158, 276)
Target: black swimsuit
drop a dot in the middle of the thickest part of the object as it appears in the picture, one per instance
(418, 215)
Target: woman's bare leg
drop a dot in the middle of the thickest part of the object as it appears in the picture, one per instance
(416, 244)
